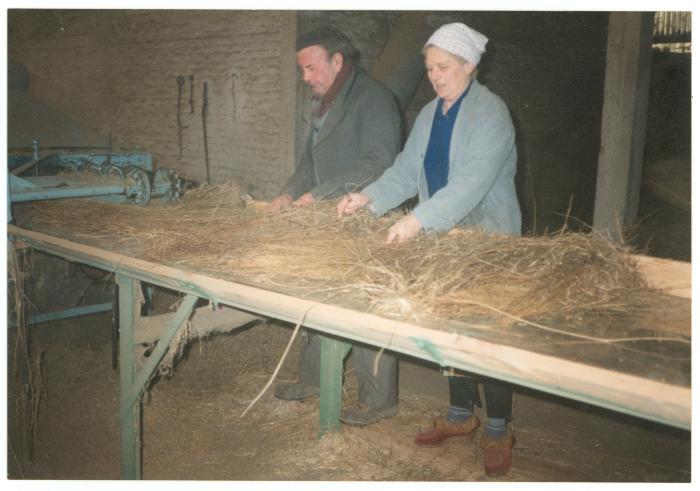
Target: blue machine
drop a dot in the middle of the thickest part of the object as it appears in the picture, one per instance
(108, 176)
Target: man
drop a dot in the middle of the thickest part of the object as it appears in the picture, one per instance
(354, 133)
(354, 136)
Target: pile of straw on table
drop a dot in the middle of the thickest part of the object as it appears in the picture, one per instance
(314, 253)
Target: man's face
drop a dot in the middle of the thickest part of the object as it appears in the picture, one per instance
(317, 70)
(447, 73)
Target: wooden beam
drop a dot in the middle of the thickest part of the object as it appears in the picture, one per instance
(631, 394)
(204, 321)
(141, 379)
(623, 126)
(672, 277)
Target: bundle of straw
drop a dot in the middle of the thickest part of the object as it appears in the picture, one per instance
(313, 253)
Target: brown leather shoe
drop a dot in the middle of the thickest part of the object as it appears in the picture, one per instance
(444, 429)
(497, 453)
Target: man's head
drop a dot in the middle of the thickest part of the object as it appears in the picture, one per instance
(320, 55)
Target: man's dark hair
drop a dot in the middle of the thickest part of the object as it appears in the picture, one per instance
(330, 39)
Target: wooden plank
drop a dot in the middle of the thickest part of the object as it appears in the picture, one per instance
(672, 277)
(205, 320)
(137, 388)
(639, 396)
(632, 394)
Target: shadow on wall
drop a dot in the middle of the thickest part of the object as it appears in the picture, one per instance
(29, 119)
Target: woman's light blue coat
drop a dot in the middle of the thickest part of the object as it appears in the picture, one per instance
(480, 190)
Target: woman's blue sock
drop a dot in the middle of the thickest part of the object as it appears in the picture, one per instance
(496, 427)
(456, 414)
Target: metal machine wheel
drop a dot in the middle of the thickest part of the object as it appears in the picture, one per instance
(92, 169)
(167, 184)
(139, 187)
(70, 166)
(112, 171)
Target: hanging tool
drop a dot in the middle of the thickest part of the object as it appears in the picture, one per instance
(205, 103)
(191, 101)
(180, 84)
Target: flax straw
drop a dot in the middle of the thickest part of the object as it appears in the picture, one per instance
(280, 362)
(312, 253)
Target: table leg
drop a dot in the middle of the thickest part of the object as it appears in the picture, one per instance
(130, 416)
(332, 354)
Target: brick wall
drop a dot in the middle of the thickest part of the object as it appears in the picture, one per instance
(115, 72)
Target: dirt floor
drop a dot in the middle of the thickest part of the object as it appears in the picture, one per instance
(192, 429)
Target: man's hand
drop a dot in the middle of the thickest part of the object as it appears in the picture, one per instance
(404, 230)
(304, 199)
(280, 202)
(351, 203)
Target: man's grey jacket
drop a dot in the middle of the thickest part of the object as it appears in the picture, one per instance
(356, 144)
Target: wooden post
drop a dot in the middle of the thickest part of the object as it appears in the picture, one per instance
(332, 354)
(623, 125)
(130, 412)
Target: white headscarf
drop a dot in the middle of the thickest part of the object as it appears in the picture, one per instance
(460, 40)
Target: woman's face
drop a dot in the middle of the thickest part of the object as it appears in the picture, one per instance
(448, 74)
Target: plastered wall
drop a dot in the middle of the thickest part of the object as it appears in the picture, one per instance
(115, 72)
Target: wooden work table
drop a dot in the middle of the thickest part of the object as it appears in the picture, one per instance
(636, 371)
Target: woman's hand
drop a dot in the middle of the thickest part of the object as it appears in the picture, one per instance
(404, 230)
(351, 203)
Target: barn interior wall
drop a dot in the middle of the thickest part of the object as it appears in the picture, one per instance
(115, 72)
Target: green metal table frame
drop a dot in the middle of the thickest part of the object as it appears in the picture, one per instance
(618, 391)
(133, 384)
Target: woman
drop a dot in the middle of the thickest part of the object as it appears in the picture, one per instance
(461, 160)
